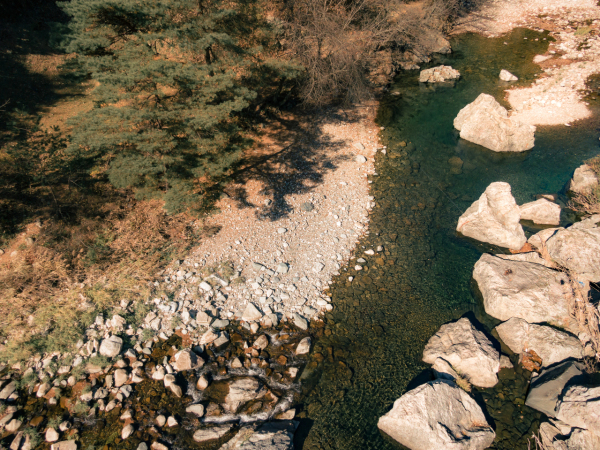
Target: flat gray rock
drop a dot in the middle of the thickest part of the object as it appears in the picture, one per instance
(546, 388)
(550, 344)
(522, 289)
(467, 350)
(437, 415)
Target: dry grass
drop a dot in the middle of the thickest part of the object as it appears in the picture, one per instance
(537, 444)
(52, 289)
(581, 307)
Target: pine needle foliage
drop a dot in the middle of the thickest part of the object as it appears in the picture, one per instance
(176, 80)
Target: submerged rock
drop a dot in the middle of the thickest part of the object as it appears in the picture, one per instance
(270, 436)
(485, 122)
(522, 289)
(438, 74)
(494, 218)
(505, 75)
(551, 345)
(241, 391)
(437, 415)
(467, 350)
(541, 211)
(211, 434)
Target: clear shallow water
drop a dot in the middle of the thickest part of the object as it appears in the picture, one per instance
(376, 334)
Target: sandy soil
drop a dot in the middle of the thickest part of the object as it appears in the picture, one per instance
(556, 97)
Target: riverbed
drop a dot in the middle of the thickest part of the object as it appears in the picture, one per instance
(384, 316)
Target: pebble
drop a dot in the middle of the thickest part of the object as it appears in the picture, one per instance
(51, 435)
(127, 431)
(281, 230)
(300, 321)
(160, 420)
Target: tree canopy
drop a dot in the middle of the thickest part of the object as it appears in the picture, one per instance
(172, 79)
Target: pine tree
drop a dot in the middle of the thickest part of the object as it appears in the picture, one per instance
(174, 81)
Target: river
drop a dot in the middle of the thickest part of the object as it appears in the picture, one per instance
(375, 336)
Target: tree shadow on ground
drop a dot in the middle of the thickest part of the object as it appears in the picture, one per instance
(292, 158)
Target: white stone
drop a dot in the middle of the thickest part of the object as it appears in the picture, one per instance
(197, 410)
(51, 435)
(580, 407)
(494, 218)
(577, 248)
(211, 434)
(485, 122)
(251, 313)
(438, 74)
(111, 346)
(584, 180)
(541, 211)
(551, 345)
(505, 75)
(304, 346)
(437, 415)
(468, 351)
(127, 431)
(521, 289)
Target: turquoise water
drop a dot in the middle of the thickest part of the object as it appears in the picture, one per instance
(382, 319)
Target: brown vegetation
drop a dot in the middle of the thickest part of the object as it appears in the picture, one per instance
(55, 279)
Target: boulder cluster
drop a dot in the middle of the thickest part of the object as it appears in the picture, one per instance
(533, 292)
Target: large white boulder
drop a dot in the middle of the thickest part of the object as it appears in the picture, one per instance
(486, 122)
(577, 248)
(551, 345)
(438, 74)
(522, 289)
(468, 350)
(541, 211)
(546, 389)
(494, 218)
(437, 415)
(584, 180)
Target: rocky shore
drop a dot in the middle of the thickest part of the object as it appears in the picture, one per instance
(541, 290)
(539, 293)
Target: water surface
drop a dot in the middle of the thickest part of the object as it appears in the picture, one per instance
(382, 320)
